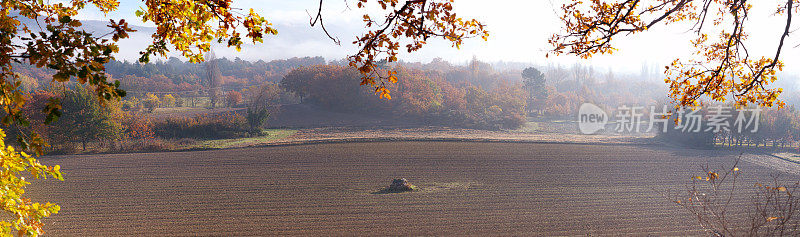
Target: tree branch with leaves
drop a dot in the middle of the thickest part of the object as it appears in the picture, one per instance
(412, 20)
(722, 68)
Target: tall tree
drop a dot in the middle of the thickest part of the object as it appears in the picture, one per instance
(213, 79)
(535, 87)
(85, 119)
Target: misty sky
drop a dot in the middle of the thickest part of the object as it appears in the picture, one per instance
(519, 32)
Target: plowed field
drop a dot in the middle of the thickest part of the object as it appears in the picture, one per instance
(328, 189)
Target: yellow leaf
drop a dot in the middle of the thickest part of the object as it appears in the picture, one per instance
(712, 176)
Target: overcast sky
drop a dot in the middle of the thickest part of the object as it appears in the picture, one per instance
(519, 32)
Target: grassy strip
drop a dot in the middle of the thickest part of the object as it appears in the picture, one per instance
(529, 127)
(272, 134)
(175, 110)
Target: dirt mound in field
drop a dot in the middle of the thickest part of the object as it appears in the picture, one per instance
(399, 186)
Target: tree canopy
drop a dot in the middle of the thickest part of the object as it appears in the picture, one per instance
(413, 20)
(722, 66)
(534, 84)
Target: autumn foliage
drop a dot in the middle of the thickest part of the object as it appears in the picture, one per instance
(45, 34)
(421, 95)
(722, 68)
(412, 21)
(203, 126)
(48, 35)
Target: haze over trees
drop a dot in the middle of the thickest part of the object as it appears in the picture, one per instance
(721, 70)
(723, 67)
(185, 26)
(420, 95)
(61, 84)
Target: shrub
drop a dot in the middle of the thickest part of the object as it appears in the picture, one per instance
(514, 120)
(268, 93)
(168, 101)
(151, 102)
(216, 126)
(713, 200)
(179, 101)
(233, 98)
(133, 105)
(257, 118)
(686, 136)
(147, 145)
(136, 127)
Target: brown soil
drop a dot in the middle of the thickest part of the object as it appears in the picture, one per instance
(327, 189)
